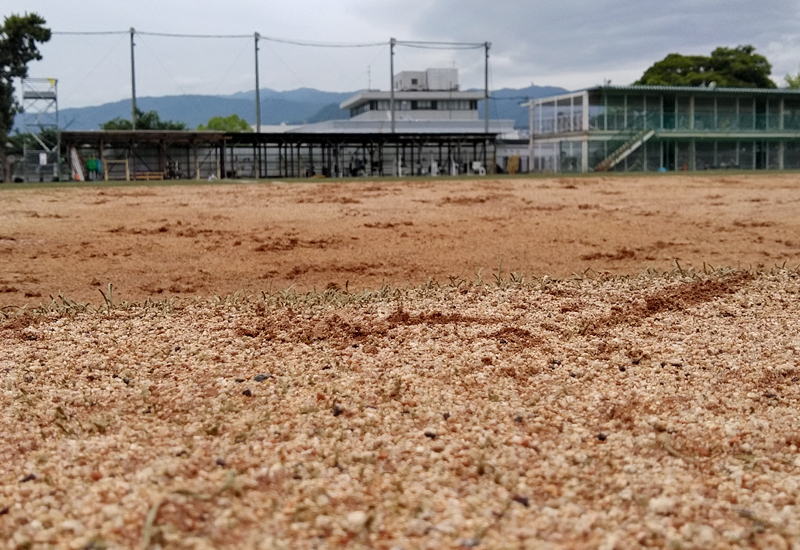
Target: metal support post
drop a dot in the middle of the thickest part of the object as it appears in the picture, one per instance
(257, 159)
(258, 91)
(489, 170)
(133, 82)
(392, 43)
(486, 45)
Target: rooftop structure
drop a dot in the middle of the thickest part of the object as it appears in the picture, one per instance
(419, 95)
(629, 128)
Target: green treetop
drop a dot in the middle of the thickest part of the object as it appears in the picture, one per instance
(19, 36)
(738, 67)
(144, 121)
(233, 123)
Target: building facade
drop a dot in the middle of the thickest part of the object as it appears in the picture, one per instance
(645, 128)
(425, 102)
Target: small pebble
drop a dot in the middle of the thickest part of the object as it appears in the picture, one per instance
(622, 368)
(522, 500)
(27, 478)
(468, 543)
(661, 505)
(446, 415)
(356, 521)
(431, 434)
(261, 377)
(601, 436)
(337, 410)
(518, 418)
(220, 462)
(247, 393)
(239, 380)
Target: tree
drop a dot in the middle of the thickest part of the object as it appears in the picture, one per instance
(233, 123)
(792, 81)
(19, 37)
(144, 121)
(738, 67)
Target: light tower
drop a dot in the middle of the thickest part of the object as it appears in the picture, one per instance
(40, 120)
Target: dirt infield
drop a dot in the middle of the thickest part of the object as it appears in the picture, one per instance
(216, 239)
(618, 413)
(454, 406)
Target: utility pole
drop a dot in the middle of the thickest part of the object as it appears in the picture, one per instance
(257, 155)
(392, 43)
(133, 82)
(258, 91)
(487, 45)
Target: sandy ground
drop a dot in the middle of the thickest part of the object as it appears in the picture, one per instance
(619, 413)
(608, 411)
(204, 240)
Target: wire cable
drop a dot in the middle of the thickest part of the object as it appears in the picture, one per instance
(323, 44)
(89, 33)
(179, 35)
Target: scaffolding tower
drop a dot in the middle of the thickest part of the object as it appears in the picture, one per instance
(42, 143)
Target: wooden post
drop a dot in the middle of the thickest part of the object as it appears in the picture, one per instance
(196, 161)
(103, 159)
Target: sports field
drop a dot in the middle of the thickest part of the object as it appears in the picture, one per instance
(590, 362)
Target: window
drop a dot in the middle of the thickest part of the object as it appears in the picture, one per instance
(704, 111)
(414, 81)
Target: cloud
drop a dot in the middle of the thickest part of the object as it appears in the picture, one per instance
(546, 40)
(571, 43)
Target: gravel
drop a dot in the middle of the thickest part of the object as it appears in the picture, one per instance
(399, 419)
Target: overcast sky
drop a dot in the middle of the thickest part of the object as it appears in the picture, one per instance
(571, 43)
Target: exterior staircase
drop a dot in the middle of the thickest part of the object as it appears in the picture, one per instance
(620, 153)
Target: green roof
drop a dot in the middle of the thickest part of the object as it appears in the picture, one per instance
(697, 90)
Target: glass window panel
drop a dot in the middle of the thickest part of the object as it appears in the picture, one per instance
(564, 115)
(635, 111)
(577, 115)
(571, 156)
(727, 119)
(726, 154)
(682, 121)
(653, 155)
(746, 160)
(773, 155)
(597, 152)
(683, 160)
(773, 114)
(746, 114)
(616, 113)
(653, 109)
(597, 112)
(669, 112)
(544, 118)
(791, 155)
(704, 113)
(791, 114)
(704, 155)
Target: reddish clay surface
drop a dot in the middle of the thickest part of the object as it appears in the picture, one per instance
(156, 241)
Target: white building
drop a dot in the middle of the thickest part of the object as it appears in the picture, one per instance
(424, 102)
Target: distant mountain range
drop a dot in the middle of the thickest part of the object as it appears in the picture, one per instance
(304, 105)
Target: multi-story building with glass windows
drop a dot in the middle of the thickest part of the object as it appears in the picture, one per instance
(636, 128)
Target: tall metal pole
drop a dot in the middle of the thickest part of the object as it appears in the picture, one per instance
(392, 42)
(258, 91)
(489, 170)
(133, 82)
(487, 45)
(258, 114)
